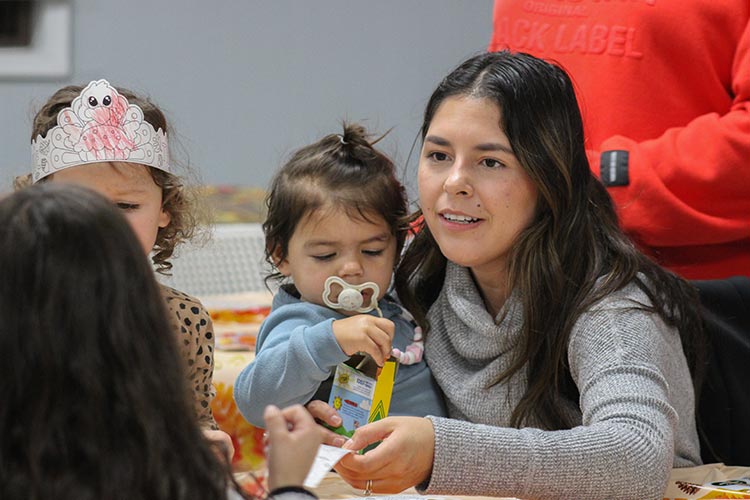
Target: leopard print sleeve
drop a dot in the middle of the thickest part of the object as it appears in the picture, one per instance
(195, 335)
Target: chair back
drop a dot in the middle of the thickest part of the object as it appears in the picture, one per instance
(724, 402)
(232, 261)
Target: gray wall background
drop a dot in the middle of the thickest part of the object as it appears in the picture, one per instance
(245, 82)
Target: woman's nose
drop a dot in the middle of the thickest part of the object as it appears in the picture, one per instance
(458, 182)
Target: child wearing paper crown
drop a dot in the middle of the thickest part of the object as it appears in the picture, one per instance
(334, 226)
(115, 142)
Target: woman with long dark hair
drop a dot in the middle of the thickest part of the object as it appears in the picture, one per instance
(95, 403)
(559, 346)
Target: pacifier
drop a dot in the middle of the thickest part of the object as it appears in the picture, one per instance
(350, 298)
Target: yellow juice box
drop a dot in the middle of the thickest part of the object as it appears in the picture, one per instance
(361, 393)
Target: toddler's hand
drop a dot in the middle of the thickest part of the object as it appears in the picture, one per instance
(365, 333)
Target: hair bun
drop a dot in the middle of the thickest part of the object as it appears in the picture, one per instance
(354, 134)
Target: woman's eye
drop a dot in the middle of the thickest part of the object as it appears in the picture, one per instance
(372, 253)
(438, 156)
(325, 257)
(492, 163)
(127, 206)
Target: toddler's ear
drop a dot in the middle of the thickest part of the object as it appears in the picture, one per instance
(164, 218)
(281, 264)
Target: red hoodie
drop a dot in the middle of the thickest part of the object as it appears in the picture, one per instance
(668, 81)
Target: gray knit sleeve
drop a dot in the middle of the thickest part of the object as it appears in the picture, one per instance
(629, 369)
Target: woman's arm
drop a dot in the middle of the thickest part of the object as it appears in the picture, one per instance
(623, 449)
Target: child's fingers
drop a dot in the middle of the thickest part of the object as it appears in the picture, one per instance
(383, 342)
(386, 326)
(298, 418)
(276, 424)
(365, 333)
(304, 427)
(324, 412)
(374, 350)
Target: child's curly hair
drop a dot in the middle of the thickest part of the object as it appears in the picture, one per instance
(179, 201)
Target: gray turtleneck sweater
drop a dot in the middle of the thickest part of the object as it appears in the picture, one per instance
(635, 411)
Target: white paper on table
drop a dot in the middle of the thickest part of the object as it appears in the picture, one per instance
(325, 459)
(408, 496)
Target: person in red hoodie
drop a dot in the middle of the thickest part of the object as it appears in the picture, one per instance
(664, 87)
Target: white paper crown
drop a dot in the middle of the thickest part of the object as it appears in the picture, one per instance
(99, 126)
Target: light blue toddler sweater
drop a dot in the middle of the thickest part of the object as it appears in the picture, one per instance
(296, 352)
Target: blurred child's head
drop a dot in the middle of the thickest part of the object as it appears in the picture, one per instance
(154, 201)
(335, 208)
(95, 403)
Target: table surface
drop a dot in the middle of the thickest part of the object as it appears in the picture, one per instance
(334, 488)
(707, 480)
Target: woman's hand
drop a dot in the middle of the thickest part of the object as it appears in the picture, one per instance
(365, 333)
(402, 460)
(293, 441)
(222, 441)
